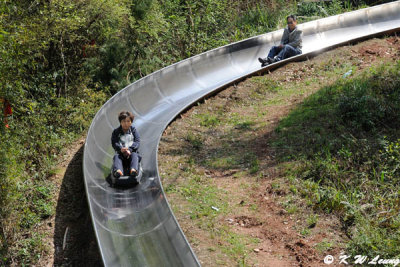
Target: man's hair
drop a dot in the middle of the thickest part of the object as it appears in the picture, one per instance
(291, 16)
(125, 114)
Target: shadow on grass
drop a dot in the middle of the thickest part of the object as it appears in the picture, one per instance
(74, 239)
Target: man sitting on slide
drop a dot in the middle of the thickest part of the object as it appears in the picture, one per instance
(291, 44)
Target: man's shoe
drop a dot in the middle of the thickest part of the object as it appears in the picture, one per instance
(264, 64)
(262, 60)
(270, 60)
(275, 59)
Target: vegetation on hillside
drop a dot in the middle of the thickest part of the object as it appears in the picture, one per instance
(332, 163)
(343, 143)
(60, 60)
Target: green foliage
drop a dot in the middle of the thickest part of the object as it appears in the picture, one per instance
(30, 249)
(307, 10)
(42, 79)
(209, 120)
(345, 139)
(390, 156)
(140, 8)
(365, 106)
(261, 18)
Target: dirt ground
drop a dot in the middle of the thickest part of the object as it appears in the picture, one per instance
(69, 234)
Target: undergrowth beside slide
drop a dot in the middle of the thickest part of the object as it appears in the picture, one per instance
(30, 149)
(341, 152)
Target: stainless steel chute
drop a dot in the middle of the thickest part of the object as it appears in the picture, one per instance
(136, 227)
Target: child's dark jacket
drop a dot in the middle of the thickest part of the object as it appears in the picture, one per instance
(131, 139)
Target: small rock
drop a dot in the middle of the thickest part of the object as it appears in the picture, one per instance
(230, 221)
(256, 250)
(347, 74)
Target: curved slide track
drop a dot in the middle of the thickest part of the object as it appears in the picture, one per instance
(136, 227)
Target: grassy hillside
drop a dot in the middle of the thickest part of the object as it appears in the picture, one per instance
(343, 147)
(300, 163)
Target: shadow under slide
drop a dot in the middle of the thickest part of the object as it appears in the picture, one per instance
(135, 226)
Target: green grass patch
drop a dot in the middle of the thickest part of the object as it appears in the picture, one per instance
(30, 249)
(237, 246)
(206, 204)
(265, 84)
(209, 120)
(224, 163)
(324, 245)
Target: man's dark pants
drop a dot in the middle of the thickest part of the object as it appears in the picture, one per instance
(283, 53)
